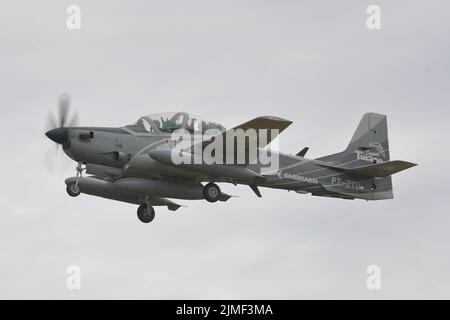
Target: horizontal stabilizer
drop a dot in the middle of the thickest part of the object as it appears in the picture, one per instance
(382, 169)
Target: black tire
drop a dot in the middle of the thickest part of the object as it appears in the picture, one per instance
(211, 192)
(73, 189)
(146, 213)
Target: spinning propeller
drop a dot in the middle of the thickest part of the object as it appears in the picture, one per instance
(57, 124)
(56, 129)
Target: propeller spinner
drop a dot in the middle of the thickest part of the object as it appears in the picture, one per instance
(58, 124)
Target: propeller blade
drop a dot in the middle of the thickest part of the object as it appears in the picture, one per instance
(73, 122)
(55, 162)
(51, 122)
(64, 105)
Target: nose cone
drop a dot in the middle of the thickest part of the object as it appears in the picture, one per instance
(58, 135)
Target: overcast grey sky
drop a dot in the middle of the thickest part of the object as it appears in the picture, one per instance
(313, 62)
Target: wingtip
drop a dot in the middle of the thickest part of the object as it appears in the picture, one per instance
(408, 164)
(274, 118)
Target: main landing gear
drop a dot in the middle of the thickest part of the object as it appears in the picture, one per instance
(211, 192)
(146, 213)
(73, 189)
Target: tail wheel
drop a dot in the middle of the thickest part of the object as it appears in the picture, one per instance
(73, 189)
(211, 192)
(146, 213)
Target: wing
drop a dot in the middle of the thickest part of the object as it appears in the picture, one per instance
(249, 136)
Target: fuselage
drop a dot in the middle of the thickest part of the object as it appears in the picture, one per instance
(131, 153)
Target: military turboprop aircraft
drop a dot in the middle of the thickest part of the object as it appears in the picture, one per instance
(135, 163)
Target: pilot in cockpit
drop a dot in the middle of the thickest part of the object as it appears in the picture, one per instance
(142, 125)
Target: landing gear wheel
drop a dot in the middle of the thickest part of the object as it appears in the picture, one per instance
(146, 213)
(73, 189)
(211, 192)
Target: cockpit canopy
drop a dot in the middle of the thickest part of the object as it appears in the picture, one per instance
(170, 121)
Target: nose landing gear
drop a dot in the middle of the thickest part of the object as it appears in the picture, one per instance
(73, 189)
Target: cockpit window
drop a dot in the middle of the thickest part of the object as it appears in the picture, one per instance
(171, 121)
(141, 126)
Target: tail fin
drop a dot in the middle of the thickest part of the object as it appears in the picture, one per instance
(366, 159)
(370, 141)
(369, 144)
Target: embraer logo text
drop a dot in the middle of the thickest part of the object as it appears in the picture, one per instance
(286, 175)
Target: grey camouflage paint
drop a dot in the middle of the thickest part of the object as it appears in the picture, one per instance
(115, 154)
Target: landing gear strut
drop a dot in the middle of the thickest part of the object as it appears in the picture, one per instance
(146, 213)
(80, 169)
(211, 192)
(72, 188)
